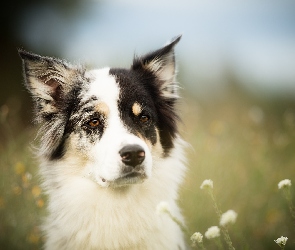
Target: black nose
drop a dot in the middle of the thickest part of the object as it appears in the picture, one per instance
(132, 155)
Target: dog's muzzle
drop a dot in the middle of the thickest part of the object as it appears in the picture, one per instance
(132, 155)
(133, 169)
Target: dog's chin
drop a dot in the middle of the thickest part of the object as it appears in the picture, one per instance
(128, 179)
(124, 180)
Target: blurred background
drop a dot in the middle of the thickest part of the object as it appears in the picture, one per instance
(236, 64)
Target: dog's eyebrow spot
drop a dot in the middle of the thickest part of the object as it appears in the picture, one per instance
(102, 108)
(136, 108)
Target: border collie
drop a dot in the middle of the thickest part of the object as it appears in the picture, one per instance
(109, 151)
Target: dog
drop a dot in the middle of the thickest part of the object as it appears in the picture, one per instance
(109, 152)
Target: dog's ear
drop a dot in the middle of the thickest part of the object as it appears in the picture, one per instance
(162, 64)
(49, 80)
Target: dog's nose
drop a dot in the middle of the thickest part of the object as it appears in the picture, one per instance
(132, 155)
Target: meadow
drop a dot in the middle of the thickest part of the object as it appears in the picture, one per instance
(246, 145)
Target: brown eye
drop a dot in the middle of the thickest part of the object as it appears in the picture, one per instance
(93, 123)
(144, 119)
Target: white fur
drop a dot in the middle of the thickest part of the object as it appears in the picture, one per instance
(105, 154)
(86, 212)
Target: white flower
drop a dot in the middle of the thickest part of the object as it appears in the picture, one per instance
(228, 217)
(207, 184)
(197, 238)
(284, 183)
(212, 232)
(281, 241)
(163, 207)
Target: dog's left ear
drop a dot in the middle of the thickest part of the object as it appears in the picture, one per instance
(162, 64)
(49, 80)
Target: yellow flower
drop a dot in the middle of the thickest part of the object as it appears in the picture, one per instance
(36, 191)
(33, 237)
(19, 168)
(40, 203)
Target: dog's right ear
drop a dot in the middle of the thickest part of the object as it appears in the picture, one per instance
(161, 63)
(49, 80)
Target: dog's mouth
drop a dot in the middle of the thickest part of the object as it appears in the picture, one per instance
(129, 179)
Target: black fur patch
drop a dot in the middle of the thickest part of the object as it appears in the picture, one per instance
(141, 86)
(151, 83)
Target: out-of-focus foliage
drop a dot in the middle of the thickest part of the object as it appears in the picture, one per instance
(21, 198)
(246, 146)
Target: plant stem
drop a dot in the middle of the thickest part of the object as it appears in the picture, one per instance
(224, 229)
(179, 223)
(287, 194)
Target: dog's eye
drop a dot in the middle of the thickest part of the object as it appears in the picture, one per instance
(144, 119)
(93, 123)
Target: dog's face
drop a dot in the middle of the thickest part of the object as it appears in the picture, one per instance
(113, 122)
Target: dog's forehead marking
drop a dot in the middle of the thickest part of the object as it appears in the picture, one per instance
(103, 108)
(136, 108)
(104, 87)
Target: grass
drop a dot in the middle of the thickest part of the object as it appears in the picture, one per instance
(246, 146)
(21, 200)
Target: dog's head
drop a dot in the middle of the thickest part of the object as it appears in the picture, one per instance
(113, 122)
